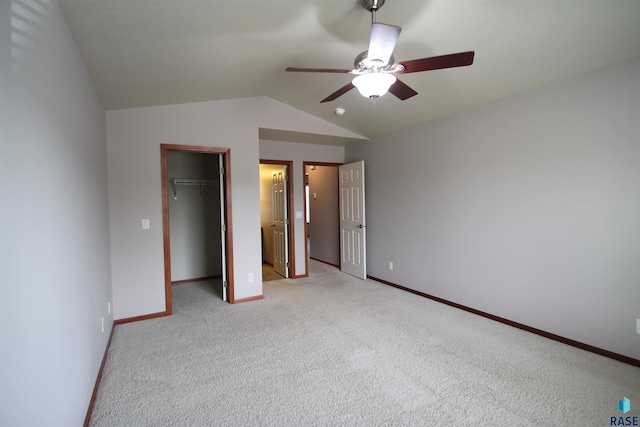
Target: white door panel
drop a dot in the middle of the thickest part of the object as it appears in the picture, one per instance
(352, 220)
(223, 229)
(280, 224)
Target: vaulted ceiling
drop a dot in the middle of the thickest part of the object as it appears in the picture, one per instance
(143, 53)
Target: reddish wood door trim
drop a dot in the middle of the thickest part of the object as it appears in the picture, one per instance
(164, 148)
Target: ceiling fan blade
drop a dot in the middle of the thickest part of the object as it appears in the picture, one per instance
(344, 89)
(383, 40)
(402, 91)
(437, 62)
(317, 70)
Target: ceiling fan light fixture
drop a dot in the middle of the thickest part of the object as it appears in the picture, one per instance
(374, 85)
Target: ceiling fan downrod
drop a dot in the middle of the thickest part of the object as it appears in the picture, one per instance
(372, 6)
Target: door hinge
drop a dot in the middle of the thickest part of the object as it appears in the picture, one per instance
(224, 227)
(286, 221)
(287, 265)
(225, 284)
(221, 171)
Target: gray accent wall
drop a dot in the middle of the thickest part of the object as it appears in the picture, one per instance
(54, 227)
(527, 208)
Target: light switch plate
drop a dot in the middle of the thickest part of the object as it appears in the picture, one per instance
(145, 224)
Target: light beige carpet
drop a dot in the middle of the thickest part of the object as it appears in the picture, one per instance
(269, 274)
(332, 350)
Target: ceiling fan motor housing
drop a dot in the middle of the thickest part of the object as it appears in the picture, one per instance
(363, 61)
(363, 65)
(371, 5)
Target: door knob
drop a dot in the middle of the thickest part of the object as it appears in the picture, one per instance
(273, 225)
(360, 226)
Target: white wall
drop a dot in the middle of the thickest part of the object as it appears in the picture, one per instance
(54, 251)
(133, 148)
(299, 153)
(527, 208)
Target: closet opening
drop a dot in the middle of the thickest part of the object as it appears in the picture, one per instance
(196, 217)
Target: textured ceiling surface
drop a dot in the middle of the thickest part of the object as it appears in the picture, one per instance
(143, 52)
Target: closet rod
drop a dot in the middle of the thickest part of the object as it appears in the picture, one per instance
(184, 181)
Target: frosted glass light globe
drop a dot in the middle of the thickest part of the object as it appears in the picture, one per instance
(374, 85)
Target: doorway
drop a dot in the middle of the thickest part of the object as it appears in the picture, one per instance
(196, 217)
(334, 206)
(322, 212)
(276, 206)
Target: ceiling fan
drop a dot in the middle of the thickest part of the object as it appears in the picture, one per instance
(375, 68)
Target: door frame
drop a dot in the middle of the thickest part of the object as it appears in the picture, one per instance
(306, 230)
(164, 148)
(291, 233)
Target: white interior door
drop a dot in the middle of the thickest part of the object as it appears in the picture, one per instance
(280, 224)
(352, 220)
(223, 229)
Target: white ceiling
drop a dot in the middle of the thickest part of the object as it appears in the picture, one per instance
(154, 52)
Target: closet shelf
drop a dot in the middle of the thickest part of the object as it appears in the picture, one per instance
(184, 181)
